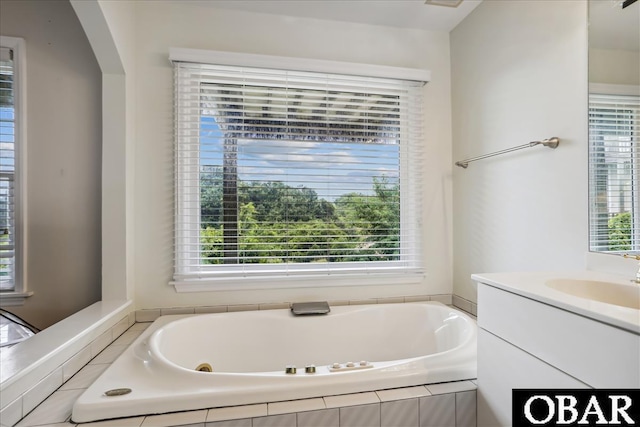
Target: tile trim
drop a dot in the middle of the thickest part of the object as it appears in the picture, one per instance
(37, 393)
(74, 363)
(151, 314)
(465, 305)
(255, 411)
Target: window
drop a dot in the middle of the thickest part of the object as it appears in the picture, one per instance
(12, 289)
(614, 125)
(295, 175)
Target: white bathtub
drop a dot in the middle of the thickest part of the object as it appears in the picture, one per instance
(391, 345)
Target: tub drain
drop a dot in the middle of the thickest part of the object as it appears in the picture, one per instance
(204, 367)
(117, 392)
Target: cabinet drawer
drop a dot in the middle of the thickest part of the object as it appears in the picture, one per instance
(574, 344)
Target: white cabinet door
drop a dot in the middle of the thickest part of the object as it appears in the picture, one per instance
(503, 367)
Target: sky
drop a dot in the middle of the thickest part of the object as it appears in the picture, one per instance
(6, 138)
(330, 168)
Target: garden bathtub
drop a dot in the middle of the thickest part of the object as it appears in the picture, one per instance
(389, 346)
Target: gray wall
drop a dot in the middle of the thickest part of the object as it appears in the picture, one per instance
(64, 131)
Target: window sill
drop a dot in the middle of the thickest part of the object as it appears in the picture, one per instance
(258, 283)
(12, 299)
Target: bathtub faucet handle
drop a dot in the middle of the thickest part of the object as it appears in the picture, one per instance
(637, 258)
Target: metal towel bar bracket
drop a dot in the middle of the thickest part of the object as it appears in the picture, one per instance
(552, 142)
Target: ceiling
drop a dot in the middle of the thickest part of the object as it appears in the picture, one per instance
(394, 13)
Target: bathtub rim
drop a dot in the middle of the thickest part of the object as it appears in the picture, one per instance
(157, 353)
(90, 408)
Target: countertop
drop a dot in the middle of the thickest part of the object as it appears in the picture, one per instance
(532, 285)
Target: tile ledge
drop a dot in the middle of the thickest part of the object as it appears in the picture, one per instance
(55, 345)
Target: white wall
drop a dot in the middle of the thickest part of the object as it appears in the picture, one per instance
(519, 73)
(163, 24)
(63, 159)
(610, 66)
(110, 28)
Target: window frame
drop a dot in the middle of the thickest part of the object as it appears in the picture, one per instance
(612, 90)
(20, 292)
(187, 199)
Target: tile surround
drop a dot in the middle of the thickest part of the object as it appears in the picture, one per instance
(371, 408)
(109, 354)
(101, 343)
(177, 310)
(243, 307)
(466, 409)
(149, 315)
(438, 411)
(451, 388)
(232, 423)
(27, 406)
(237, 412)
(12, 413)
(212, 309)
(127, 338)
(274, 306)
(40, 391)
(303, 405)
(360, 416)
(461, 303)
(402, 393)
(355, 399)
(444, 299)
(284, 420)
(390, 300)
(363, 301)
(417, 298)
(177, 419)
(120, 327)
(120, 422)
(85, 377)
(338, 303)
(400, 413)
(73, 365)
(465, 305)
(323, 417)
(55, 409)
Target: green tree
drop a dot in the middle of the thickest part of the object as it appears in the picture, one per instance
(210, 195)
(260, 243)
(374, 219)
(620, 232)
(277, 202)
(318, 241)
(211, 245)
(279, 223)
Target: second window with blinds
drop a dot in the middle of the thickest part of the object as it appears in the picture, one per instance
(12, 184)
(614, 172)
(295, 176)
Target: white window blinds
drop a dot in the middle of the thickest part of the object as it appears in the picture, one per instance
(614, 125)
(7, 170)
(289, 174)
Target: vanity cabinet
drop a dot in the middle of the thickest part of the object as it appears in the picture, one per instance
(528, 343)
